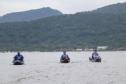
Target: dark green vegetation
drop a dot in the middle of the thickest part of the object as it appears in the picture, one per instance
(81, 30)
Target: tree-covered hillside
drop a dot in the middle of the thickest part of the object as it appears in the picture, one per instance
(103, 27)
(82, 30)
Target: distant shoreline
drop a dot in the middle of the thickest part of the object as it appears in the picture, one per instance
(67, 51)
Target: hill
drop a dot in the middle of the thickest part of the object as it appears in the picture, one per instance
(119, 8)
(30, 15)
(81, 30)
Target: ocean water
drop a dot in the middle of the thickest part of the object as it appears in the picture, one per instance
(44, 68)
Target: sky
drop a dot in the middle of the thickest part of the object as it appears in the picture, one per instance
(65, 6)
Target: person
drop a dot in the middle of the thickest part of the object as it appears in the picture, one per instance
(19, 57)
(95, 54)
(65, 56)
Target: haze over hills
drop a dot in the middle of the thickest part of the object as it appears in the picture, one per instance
(81, 30)
(30, 15)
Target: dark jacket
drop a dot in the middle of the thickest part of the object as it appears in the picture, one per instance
(65, 57)
(19, 57)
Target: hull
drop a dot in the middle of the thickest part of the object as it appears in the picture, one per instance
(64, 61)
(18, 62)
(95, 60)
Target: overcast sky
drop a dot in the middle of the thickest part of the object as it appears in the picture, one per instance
(65, 6)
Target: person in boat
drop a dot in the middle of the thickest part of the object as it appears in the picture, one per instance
(65, 56)
(19, 57)
(95, 54)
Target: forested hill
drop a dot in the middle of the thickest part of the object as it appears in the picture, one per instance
(30, 15)
(119, 8)
(81, 30)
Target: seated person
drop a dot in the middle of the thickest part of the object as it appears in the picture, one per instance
(95, 54)
(19, 57)
(65, 56)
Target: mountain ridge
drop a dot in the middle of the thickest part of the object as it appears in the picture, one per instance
(119, 8)
(30, 15)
